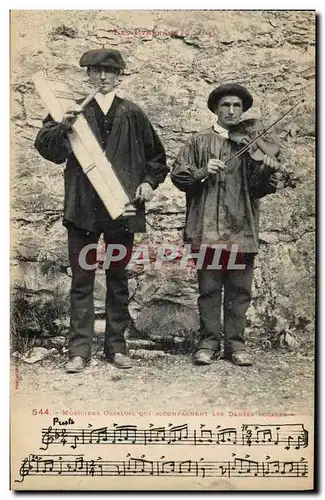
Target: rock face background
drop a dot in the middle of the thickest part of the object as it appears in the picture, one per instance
(174, 59)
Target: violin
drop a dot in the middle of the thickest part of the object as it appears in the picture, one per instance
(248, 130)
(253, 137)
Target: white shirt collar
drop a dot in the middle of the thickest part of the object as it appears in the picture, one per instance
(105, 100)
(220, 130)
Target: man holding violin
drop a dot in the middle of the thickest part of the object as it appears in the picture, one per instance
(223, 186)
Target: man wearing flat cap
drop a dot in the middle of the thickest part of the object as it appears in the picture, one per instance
(222, 215)
(138, 158)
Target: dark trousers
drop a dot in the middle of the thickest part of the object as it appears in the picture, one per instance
(81, 296)
(237, 286)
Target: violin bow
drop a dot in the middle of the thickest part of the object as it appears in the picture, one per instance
(247, 146)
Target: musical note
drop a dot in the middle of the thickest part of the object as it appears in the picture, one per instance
(206, 435)
(79, 438)
(178, 433)
(98, 435)
(154, 435)
(140, 466)
(167, 468)
(125, 433)
(246, 467)
(263, 436)
(79, 464)
(227, 435)
(185, 466)
(48, 466)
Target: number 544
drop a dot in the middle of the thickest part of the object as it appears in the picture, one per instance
(40, 411)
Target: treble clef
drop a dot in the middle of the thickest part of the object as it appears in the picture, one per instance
(47, 438)
(24, 470)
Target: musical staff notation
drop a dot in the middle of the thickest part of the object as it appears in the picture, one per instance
(77, 465)
(288, 436)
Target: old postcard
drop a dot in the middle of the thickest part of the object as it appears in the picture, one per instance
(162, 250)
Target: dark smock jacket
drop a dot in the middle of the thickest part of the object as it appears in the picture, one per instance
(132, 146)
(223, 208)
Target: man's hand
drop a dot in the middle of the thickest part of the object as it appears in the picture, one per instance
(144, 192)
(271, 163)
(70, 116)
(215, 166)
(273, 181)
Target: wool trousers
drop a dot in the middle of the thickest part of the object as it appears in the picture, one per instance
(236, 285)
(81, 295)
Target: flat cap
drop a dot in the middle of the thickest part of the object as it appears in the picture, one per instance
(102, 57)
(230, 89)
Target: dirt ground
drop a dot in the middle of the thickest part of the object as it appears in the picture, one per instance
(279, 381)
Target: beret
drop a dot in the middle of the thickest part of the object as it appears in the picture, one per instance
(102, 57)
(230, 89)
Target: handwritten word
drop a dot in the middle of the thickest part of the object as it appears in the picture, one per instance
(56, 421)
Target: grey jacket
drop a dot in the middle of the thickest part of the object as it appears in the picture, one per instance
(222, 208)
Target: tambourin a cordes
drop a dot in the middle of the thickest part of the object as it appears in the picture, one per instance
(57, 98)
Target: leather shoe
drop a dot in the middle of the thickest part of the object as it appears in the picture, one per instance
(203, 356)
(75, 364)
(241, 358)
(120, 360)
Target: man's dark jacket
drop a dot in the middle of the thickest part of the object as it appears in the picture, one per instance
(132, 146)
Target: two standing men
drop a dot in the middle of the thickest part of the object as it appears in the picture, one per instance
(222, 206)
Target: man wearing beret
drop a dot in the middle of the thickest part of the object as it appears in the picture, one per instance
(138, 158)
(222, 212)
